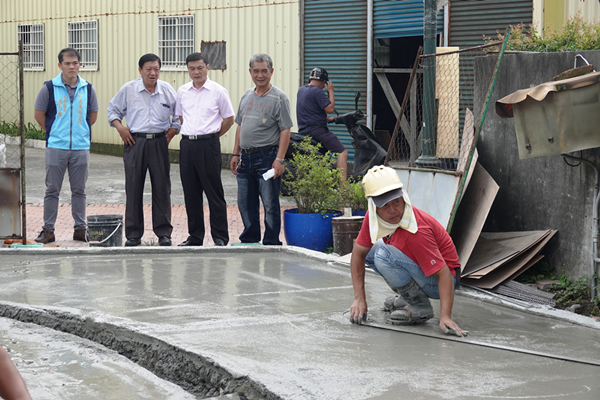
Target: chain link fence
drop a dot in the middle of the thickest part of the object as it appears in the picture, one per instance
(12, 196)
(436, 124)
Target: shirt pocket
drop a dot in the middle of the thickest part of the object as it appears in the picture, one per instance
(265, 118)
(163, 108)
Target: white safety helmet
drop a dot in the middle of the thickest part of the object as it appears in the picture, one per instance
(379, 180)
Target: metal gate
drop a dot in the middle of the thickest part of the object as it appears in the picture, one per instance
(12, 149)
(335, 38)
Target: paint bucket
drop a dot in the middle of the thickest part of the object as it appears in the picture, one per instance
(105, 230)
(345, 231)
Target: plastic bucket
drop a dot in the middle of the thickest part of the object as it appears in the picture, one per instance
(105, 230)
(311, 231)
(345, 231)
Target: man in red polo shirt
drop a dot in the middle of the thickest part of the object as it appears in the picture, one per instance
(416, 256)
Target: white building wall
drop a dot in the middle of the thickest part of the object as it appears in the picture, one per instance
(128, 29)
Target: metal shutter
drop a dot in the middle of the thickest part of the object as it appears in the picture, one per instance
(471, 19)
(335, 38)
(400, 18)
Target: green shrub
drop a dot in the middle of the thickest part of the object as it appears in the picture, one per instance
(353, 195)
(32, 131)
(575, 35)
(570, 292)
(315, 184)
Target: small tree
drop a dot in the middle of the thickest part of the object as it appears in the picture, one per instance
(315, 184)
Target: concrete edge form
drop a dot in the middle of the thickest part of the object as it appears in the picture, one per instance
(192, 372)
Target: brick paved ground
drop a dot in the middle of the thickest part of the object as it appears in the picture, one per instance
(64, 223)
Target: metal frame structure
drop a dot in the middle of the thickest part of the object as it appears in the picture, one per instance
(22, 203)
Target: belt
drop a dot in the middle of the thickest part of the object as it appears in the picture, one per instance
(201, 137)
(148, 135)
(257, 149)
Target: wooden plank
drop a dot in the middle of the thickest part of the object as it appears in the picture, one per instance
(468, 138)
(389, 92)
(472, 212)
(393, 101)
(446, 92)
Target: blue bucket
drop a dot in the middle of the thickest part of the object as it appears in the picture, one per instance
(310, 231)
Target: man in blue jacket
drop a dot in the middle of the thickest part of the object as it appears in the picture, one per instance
(66, 108)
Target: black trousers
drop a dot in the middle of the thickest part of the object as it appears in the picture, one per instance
(200, 170)
(147, 155)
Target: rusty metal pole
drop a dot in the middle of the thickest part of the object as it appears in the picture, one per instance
(22, 132)
(428, 158)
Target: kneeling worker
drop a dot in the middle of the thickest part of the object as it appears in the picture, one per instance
(417, 259)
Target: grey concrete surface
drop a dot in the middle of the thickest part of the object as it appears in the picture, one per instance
(106, 182)
(543, 192)
(270, 323)
(57, 365)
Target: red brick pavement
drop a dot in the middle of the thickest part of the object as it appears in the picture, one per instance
(64, 223)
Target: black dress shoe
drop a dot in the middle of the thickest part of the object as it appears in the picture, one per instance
(190, 243)
(133, 242)
(45, 237)
(220, 242)
(164, 241)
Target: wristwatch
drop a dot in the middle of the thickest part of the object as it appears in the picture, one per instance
(281, 160)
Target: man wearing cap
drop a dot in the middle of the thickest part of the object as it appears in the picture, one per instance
(312, 107)
(416, 256)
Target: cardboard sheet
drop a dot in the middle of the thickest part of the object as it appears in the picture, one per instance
(472, 213)
(508, 270)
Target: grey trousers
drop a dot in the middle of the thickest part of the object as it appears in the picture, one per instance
(57, 162)
(147, 155)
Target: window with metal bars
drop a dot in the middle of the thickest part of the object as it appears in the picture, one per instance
(83, 37)
(32, 37)
(175, 40)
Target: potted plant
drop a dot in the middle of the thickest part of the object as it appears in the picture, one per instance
(345, 229)
(353, 196)
(315, 187)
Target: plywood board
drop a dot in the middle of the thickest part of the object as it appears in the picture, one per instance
(446, 92)
(466, 145)
(432, 192)
(470, 174)
(472, 212)
(484, 251)
(518, 241)
(509, 269)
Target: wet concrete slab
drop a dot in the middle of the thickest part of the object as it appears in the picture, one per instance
(269, 323)
(57, 365)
